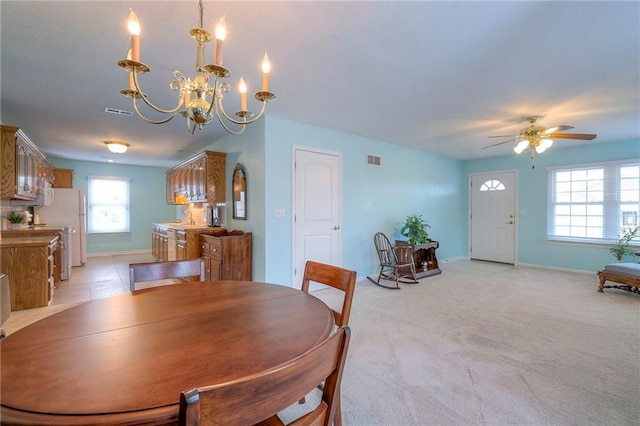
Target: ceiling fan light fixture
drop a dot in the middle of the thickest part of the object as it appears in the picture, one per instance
(521, 146)
(543, 145)
(117, 147)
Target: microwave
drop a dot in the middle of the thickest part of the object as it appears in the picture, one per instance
(45, 198)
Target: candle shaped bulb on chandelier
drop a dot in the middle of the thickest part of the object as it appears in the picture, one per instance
(266, 68)
(242, 86)
(132, 86)
(134, 30)
(221, 34)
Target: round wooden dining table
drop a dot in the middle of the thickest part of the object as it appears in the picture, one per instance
(126, 359)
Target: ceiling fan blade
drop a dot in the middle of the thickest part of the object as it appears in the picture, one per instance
(499, 143)
(583, 136)
(510, 136)
(557, 129)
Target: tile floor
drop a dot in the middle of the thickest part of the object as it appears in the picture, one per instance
(100, 277)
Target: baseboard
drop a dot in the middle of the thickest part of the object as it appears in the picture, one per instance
(118, 253)
(555, 268)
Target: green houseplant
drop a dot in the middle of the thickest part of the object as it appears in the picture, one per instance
(623, 245)
(16, 219)
(415, 229)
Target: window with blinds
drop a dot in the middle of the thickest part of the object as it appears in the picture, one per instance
(108, 205)
(593, 203)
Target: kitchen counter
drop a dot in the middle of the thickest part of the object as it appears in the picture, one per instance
(34, 241)
(184, 226)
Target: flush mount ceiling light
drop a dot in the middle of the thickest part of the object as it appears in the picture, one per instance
(117, 147)
(200, 98)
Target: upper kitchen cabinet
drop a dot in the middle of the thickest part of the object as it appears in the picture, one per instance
(199, 179)
(24, 167)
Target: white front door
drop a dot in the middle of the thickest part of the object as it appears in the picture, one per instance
(493, 217)
(316, 193)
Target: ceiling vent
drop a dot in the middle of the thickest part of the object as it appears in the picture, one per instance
(373, 160)
(118, 111)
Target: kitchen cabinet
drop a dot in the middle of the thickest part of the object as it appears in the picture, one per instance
(227, 257)
(199, 179)
(63, 178)
(178, 242)
(32, 286)
(160, 243)
(23, 166)
(57, 253)
(181, 245)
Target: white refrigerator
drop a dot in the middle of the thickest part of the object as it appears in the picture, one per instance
(69, 208)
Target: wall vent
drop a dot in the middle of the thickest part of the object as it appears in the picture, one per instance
(118, 111)
(373, 160)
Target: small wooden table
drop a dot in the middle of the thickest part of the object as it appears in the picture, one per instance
(125, 359)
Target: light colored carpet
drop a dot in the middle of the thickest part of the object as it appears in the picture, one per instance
(491, 344)
(487, 344)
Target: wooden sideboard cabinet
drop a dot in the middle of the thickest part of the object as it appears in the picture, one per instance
(31, 286)
(424, 258)
(227, 257)
(23, 167)
(199, 179)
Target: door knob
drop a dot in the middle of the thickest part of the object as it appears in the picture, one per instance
(509, 223)
(335, 228)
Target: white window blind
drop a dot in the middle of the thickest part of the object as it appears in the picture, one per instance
(593, 203)
(108, 205)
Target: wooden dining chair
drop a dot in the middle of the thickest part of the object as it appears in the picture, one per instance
(258, 398)
(338, 278)
(154, 271)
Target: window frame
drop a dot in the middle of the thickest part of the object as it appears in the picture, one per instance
(92, 204)
(611, 203)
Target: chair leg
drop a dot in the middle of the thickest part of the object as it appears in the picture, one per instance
(337, 420)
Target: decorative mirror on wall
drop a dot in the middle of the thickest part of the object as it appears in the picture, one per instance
(239, 193)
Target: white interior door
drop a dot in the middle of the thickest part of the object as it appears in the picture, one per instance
(493, 217)
(317, 234)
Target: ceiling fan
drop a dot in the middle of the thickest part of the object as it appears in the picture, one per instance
(538, 138)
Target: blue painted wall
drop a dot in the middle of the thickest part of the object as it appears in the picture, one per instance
(533, 247)
(373, 198)
(147, 202)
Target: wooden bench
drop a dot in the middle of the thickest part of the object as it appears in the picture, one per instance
(627, 274)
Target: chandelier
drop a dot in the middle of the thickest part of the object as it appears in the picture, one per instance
(200, 98)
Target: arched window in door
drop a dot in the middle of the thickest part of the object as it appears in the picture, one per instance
(492, 185)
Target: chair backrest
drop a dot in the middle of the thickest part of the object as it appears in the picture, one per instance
(386, 253)
(153, 271)
(259, 397)
(389, 255)
(336, 277)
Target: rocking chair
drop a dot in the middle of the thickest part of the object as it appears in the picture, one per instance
(396, 263)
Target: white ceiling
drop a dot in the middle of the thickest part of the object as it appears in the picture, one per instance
(436, 76)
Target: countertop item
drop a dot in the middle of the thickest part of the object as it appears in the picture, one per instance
(125, 359)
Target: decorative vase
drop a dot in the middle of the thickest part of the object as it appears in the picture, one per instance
(15, 226)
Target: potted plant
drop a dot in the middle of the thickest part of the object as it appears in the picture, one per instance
(623, 245)
(16, 219)
(415, 229)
